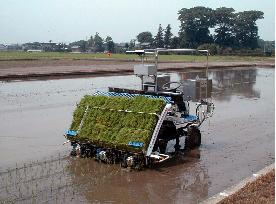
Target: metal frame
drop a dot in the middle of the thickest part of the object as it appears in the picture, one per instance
(157, 129)
(155, 52)
(183, 50)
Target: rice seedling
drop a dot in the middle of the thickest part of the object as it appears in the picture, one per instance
(113, 122)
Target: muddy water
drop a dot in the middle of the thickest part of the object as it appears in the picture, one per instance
(237, 141)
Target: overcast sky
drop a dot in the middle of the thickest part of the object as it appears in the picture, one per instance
(70, 20)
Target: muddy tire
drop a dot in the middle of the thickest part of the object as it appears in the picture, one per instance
(138, 167)
(73, 153)
(193, 139)
(123, 162)
(197, 141)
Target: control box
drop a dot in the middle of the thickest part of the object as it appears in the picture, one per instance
(197, 89)
(149, 83)
(145, 70)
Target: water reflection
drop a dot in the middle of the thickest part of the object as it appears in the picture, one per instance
(180, 179)
(229, 82)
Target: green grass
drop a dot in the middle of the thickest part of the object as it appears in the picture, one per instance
(59, 55)
(111, 128)
(73, 56)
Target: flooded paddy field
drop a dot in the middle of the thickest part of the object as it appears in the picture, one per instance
(35, 167)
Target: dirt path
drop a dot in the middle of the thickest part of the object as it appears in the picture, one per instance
(64, 68)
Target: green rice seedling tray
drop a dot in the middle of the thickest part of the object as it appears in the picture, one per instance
(116, 122)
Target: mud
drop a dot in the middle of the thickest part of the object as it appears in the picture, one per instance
(237, 141)
(35, 69)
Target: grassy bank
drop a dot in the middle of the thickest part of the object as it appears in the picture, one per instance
(11, 56)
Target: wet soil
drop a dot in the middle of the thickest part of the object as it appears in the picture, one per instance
(29, 69)
(236, 142)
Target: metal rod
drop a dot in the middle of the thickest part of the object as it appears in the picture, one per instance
(207, 64)
(157, 129)
(156, 64)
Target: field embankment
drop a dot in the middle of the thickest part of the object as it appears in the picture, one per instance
(20, 65)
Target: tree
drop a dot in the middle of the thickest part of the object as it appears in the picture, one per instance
(145, 37)
(168, 36)
(212, 48)
(60, 47)
(195, 24)
(91, 42)
(132, 43)
(109, 44)
(159, 38)
(225, 18)
(245, 28)
(98, 43)
(82, 44)
(175, 42)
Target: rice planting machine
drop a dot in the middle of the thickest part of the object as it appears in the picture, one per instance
(140, 128)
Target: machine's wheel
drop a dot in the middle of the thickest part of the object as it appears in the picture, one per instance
(123, 161)
(167, 132)
(138, 167)
(123, 164)
(73, 153)
(74, 149)
(197, 138)
(193, 138)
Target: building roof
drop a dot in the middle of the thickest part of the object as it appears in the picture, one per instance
(75, 47)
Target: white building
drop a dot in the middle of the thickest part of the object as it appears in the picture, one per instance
(3, 47)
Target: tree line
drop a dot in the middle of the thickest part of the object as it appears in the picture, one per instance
(230, 29)
(200, 27)
(95, 44)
